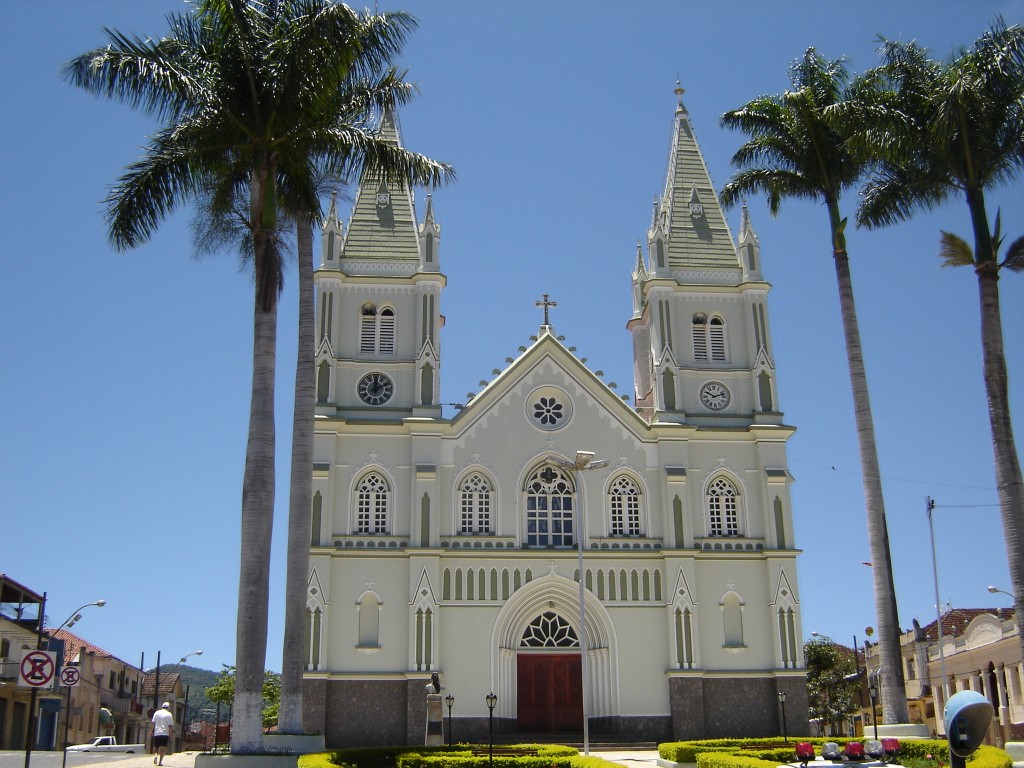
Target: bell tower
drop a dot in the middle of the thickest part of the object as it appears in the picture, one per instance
(378, 304)
(701, 344)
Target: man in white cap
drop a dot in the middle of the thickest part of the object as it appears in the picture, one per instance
(163, 732)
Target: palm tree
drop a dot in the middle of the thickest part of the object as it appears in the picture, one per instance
(942, 130)
(793, 152)
(246, 91)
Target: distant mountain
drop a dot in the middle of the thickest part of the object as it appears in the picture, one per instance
(196, 681)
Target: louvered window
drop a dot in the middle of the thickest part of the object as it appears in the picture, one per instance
(717, 329)
(368, 329)
(377, 330)
(387, 332)
(709, 339)
(700, 337)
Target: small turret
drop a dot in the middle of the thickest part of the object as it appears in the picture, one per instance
(430, 240)
(332, 235)
(749, 248)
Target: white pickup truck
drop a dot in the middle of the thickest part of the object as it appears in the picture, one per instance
(107, 744)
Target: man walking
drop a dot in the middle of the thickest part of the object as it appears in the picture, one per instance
(163, 731)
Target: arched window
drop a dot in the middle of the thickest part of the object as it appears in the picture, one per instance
(709, 338)
(723, 508)
(372, 500)
(475, 496)
(549, 509)
(377, 330)
(700, 337)
(549, 630)
(624, 501)
(368, 329)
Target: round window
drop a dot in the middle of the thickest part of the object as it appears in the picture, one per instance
(549, 408)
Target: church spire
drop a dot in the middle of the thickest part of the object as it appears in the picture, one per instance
(383, 225)
(688, 223)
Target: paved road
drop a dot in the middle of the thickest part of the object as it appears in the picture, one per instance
(94, 759)
(188, 759)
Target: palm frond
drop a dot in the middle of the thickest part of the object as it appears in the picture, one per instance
(954, 251)
(1014, 260)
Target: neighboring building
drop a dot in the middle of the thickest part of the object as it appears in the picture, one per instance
(20, 609)
(450, 544)
(980, 652)
(107, 701)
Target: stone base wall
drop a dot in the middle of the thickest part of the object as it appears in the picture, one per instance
(711, 708)
(359, 713)
(354, 713)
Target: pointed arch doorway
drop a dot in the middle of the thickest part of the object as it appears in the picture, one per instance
(537, 657)
(549, 676)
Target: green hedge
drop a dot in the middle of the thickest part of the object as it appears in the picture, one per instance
(460, 756)
(736, 753)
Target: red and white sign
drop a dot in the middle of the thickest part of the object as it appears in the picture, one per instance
(37, 669)
(70, 677)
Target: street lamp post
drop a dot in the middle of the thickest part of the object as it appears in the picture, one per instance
(873, 693)
(491, 701)
(450, 701)
(782, 703)
(584, 460)
(69, 622)
(929, 504)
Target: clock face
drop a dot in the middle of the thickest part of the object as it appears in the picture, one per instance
(714, 396)
(383, 199)
(375, 388)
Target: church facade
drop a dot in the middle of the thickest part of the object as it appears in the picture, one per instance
(549, 515)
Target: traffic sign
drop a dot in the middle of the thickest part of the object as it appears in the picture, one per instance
(70, 676)
(37, 669)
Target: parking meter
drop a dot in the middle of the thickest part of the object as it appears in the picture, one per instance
(967, 715)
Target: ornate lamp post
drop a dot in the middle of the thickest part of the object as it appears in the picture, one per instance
(873, 693)
(782, 703)
(492, 700)
(450, 701)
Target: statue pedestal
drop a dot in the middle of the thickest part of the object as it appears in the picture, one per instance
(435, 721)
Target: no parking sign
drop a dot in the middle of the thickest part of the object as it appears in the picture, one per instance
(70, 676)
(37, 669)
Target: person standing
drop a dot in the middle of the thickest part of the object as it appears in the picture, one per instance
(163, 731)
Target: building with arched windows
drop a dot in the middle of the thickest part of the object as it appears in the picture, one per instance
(453, 544)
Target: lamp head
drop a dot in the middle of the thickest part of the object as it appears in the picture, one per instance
(100, 603)
(583, 458)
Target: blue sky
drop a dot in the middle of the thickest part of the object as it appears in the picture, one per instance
(125, 376)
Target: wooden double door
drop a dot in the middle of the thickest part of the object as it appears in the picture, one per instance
(550, 692)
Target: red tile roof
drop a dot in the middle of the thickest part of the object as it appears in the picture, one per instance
(955, 620)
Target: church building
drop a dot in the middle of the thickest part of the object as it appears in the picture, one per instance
(625, 564)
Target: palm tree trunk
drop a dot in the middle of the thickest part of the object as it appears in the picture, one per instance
(301, 495)
(258, 479)
(257, 526)
(1007, 464)
(893, 686)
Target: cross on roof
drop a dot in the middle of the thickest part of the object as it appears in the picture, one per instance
(546, 304)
